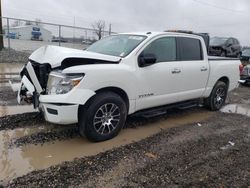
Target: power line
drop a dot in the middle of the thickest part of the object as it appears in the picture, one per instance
(222, 8)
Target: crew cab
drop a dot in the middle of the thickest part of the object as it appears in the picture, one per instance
(121, 75)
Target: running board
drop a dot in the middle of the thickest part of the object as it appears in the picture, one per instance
(152, 112)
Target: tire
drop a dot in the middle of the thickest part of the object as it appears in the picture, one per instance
(103, 118)
(217, 97)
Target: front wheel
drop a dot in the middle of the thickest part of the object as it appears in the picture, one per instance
(104, 117)
(217, 97)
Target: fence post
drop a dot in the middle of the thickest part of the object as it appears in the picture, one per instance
(8, 33)
(59, 35)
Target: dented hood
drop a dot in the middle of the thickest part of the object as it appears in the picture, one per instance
(54, 55)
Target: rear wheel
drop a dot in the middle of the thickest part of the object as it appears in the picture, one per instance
(217, 97)
(103, 118)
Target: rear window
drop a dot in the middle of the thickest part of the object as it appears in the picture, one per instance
(189, 49)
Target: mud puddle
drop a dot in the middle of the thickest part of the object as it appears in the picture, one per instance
(13, 161)
(242, 109)
(10, 67)
(11, 110)
(16, 162)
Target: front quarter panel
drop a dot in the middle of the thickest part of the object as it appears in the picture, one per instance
(101, 76)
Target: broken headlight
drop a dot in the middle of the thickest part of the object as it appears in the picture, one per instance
(59, 83)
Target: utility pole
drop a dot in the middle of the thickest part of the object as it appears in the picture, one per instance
(110, 29)
(1, 27)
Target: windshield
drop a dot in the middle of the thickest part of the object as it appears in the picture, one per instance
(217, 41)
(117, 45)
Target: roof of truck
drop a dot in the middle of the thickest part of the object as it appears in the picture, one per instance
(152, 34)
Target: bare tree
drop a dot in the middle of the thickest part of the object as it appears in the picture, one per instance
(99, 27)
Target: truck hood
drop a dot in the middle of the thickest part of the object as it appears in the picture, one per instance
(54, 55)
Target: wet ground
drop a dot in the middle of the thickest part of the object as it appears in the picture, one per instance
(193, 147)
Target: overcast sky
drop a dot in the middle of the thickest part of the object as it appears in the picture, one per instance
(217, 17)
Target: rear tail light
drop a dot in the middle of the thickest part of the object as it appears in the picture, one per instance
(241, 67)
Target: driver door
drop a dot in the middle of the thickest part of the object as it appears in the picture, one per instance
(160, 81)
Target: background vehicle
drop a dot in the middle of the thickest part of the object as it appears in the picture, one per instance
(226, 47)
(245, 56)
(122, 75)
(88, 42)
(56, 39)
(245, 75)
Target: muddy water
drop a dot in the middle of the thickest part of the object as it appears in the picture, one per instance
(11, 110)
(19, 161)
(9, 71)
(10, 67)
(243, 109)
(12, 163)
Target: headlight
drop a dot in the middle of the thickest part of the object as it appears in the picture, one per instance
(59, 83)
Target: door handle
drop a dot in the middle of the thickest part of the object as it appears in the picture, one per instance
(176, 71)
(203, 68)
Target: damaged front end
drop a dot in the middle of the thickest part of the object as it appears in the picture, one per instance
(34, 82)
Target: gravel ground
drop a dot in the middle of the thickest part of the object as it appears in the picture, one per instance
(49, 136)
(215, 154)
(241, 95)
(13, 56)
(21, 120)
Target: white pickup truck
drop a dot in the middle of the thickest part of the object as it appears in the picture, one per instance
(124, 74)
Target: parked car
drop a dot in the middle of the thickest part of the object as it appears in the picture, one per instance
(125, 74)
(245, 55)
(59, 40)
(87, 42)
(226, 47)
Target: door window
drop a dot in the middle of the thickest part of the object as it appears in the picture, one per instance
(164, 49)
(189, 49)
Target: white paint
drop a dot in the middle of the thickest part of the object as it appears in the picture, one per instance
(156, 79)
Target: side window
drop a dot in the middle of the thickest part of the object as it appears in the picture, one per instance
(230, 41)
(236, 41)
(189, 49)
(164, 49)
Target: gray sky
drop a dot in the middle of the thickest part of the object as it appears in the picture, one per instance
(217, 17)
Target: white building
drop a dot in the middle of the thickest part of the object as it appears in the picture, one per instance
(29, 32)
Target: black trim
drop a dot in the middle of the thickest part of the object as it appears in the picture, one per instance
(52, 111)
(70, 62)
(221, 59)
(180, 105)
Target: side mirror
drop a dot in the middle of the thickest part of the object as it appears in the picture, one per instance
(145, 60)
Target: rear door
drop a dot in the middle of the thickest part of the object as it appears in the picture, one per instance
(195, 67)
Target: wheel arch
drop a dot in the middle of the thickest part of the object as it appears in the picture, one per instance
(118, 91)
(224, 79)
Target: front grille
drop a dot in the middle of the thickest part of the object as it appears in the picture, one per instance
(42, 72)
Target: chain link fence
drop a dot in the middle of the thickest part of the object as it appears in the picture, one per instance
(27, 36)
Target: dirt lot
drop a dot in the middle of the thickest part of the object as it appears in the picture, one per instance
(184, 148)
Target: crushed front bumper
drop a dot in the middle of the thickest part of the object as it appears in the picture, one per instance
(57, 108)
